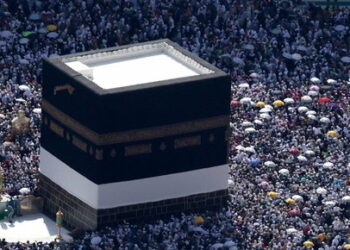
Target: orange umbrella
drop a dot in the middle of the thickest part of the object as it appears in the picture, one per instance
(323, 99)
(51, 27)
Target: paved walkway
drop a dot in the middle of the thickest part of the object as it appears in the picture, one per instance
(36, 227)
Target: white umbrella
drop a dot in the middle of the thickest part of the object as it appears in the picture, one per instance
(269, 164)
(328, 165)
(37, 110)
(238, 60)
(312, 93)
(24, 191)
(247, 124)
(315, 80)
(254, 75)
(250, 130)
(250, 149)
(297, 197)
(287, 55)
(284, 171)
(331, 81)
(321, 190)
(339, 27)
(265, 110)
(20, 100)
(309, 152)
(329, 203)
(296, 56)
(23, 87)
(2, 116)
(245, 100)
(96, 240)
(217, 245)
(314, 88)
(258, 122)
(345, 59)
(244, 85)
(23, 40)
(268, 106)
(230, 183)
(52, 35)
(346, 198)
(302, 158)
(289, 100)
(6, 34)
(240, 147)
(291, 230)
(265, 116)
(248, 46)
(23, 61)
(229, 243)
(312, 117)
(303, 109)
(311, 112)
(301, 48)
(325, 120)
(306, 98)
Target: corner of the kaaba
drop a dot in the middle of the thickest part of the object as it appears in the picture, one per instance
(137, 152)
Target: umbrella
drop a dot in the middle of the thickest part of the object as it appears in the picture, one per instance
(276, 31)
(309, 152)
(303, 109)
(278, 103)
(291, 230)
(294, 212)
(254, 75)
(23, 61)
(23, 40)
(260, 104)
(346, 198)
(2, 116)
(258, 122)
(6, 34)
(311, 112)
(246, 100)
(250, 149)
(331, 81)
(96, 240)
(323, 99)
(265, 110)
(198, 219)
(296, 56)
(24, 191)
(23, 87)
(345, 59)
(51, 27)
(217, 245)
(288, 100)
(247, 124)
(346, 246)
(312, 93)
(269, 164)
(250, 130)
(284, 171)
(34, 17)
(229, 243)
(339, 27)
(244, 85)
(240, 147)
(37, 110)
(20, 100)
(312, 117)
(248, 46)
(265, 116)
(332, 133)
(255, 161)
(230, 183)
(314, 87)
(52, 35)
(301, 48)
(43, 30)
(297, 197)
(27, 33)
(199, 229)
(308, 243)
(321, 190)
(328, 165)
(306, 98)
(235, 103)
(273, 194)
(329, 203)
(325, 120)
(302, 158)
(225, 56)
(315, 80)
(238, 60)
(294, 150)
(290, 201)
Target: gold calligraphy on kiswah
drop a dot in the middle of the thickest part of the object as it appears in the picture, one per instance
(67, 87)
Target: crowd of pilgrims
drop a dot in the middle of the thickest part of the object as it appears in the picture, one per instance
(290, 157)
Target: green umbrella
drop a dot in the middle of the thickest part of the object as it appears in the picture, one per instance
(27, 33)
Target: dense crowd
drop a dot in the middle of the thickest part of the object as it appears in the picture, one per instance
(289, 62)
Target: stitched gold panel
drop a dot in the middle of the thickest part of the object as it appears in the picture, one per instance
(138, 149)
(79, 143)
(56, 128)
(187, 142)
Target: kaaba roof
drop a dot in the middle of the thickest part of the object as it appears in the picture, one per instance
(135, 66)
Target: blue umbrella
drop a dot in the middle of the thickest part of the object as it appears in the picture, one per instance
(255, 161)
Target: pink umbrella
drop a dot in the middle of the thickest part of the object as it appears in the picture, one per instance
(294, 212)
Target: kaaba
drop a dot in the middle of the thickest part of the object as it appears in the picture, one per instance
(133, 132)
